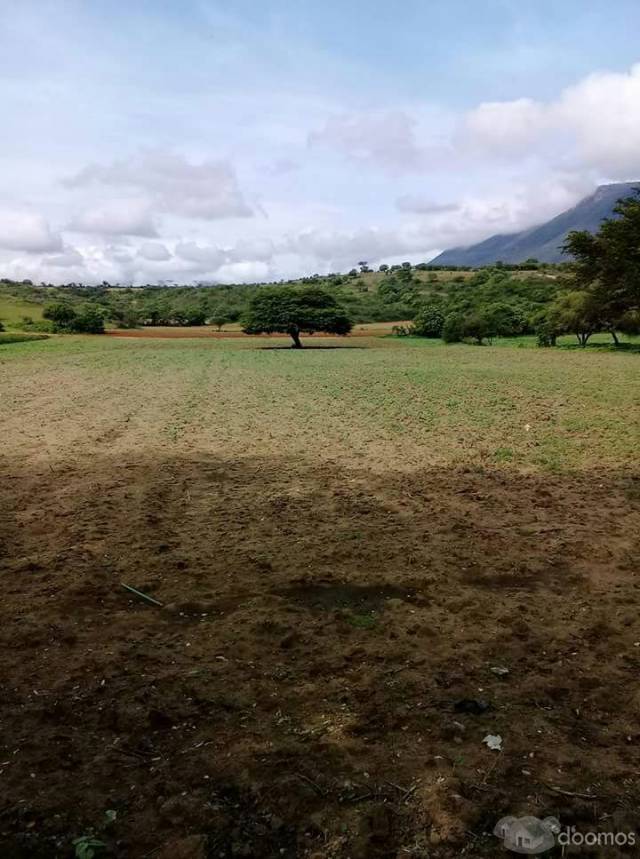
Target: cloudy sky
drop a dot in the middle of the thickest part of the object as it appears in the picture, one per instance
(236, 140)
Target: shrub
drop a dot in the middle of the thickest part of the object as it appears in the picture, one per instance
(403, 330)
(478, 327)
(453, 328)
(88, 321)
(61, 314)
(504, 320)
(429, 321)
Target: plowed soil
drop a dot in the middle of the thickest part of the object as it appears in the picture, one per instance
(349, 607)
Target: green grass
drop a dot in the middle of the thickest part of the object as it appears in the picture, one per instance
(12, 310)
(7, 337)
(389, 403)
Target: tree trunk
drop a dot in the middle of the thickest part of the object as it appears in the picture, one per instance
(295, 336)
(615, 337)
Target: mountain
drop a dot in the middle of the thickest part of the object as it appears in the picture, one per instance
(544, 241)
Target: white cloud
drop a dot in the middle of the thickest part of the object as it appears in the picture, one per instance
(154, 252)
(67, 259)
(594, 124)
(208, 190)
(205, 255)
(339, 250)
(116, 217)
(384, 138)
(252, 250)
(27, 231)
(505, 128)
(244, 272)
(419, 205)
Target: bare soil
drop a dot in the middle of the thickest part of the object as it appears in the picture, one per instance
(369, 329)
(304, 689)
(296, 695)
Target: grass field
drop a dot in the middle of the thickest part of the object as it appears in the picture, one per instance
(347, 542)
(13, 310)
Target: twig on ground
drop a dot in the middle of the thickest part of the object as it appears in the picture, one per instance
(315, 786)
(142, 595)
(570, 792)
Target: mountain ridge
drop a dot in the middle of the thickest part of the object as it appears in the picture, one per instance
(543, 241)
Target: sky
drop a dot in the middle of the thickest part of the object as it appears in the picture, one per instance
(231, 141)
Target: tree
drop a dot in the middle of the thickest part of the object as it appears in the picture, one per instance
(61, 314)
(219, 319)
(475, 326)
(429, 321)
(453, 328)
(478, 326)
(607, 264)
(504, 320)
(575, 313)
(545, 328)
(383, 268)
(195, 317)
(611, 257)
(287, 310)
(89, 321)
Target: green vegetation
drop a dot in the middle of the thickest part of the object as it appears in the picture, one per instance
(65, 318)
(7, 337)
(294, 312)
(391, 294)
(607, 277)
(600, 292)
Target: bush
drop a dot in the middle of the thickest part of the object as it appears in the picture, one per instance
(61, 314)
(504, 320)
(478, 327)
(453, 328)
(403, 330)
(546, 330)
(65, 319)
(219, 320)
(429, 321)
(89, 321)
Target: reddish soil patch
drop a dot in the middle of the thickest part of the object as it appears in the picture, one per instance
(369, 330)
(296, 695)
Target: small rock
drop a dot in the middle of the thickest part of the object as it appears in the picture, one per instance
(475, 706)
(158, 720)
(494, 742)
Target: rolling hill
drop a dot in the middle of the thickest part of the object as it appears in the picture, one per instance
(544, 241)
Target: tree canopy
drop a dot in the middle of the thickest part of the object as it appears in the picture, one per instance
(607, 270)
(286, 310)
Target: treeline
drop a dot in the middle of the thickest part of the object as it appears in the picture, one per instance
(599, 291)
(489, 302)
(392, 293)
(492, 303)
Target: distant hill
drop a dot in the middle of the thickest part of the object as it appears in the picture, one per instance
(544, 241)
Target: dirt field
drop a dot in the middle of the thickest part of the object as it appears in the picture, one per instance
(367, 329)
(369, 559)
